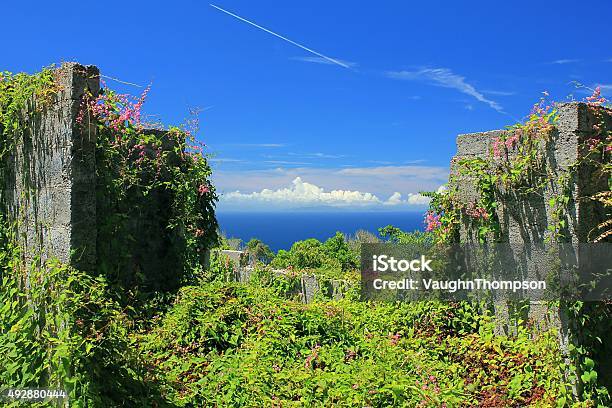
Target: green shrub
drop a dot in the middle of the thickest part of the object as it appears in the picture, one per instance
(334, 256)
(229, 344)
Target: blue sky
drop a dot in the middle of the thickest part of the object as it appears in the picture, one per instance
(289, 129)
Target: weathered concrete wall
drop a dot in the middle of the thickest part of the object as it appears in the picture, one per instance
(49, 188)
(61, 205)
(524, 219)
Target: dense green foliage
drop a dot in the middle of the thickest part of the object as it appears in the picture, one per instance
(63, 328)
(228, 344)
(219, 343)
(148, 181)
(259, 251)
(334, 257)
(64, 332)
(22, 97)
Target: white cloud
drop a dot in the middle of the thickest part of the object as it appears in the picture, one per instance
(445, 78)
(381, 182)
(224, 160)
(417, 199)
(320, 60)
(423, 172)
(395, 199)
(317, 155)
(606, 89)
(500, 93)
(413, 199)
(303, 194)
(565, 61)
(290, 163)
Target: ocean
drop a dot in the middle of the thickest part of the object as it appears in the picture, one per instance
(280, 230)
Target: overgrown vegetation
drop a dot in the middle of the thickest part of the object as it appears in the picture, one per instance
(148, 181)
(228, 344)
(216, 342)
(68, 329)
(515, 169)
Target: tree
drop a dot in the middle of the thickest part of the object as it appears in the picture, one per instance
(337, 248)
(259, 251)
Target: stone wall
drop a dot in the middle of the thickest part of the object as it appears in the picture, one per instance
(59, 203)
(310, 285)
(524, 219)
(49, 188)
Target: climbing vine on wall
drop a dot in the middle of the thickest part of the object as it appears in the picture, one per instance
(22, 97)
(148, 180)
(516, 167)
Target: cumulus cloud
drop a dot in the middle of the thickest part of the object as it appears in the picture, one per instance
(417, 199)
(303, 194)
(395, 199)
(445, 78)
(381, 181)
(414, 199)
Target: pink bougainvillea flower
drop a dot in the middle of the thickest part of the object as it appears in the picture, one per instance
(596, 99)
(476, 212)
(432, 221)
(592, 143)
(203, 189)
(395, 338)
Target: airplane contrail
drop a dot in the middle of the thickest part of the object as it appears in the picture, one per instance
(281, 37)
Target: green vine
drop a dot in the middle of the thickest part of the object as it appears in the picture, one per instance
(514, 168)
(66, 329)
(148, 181)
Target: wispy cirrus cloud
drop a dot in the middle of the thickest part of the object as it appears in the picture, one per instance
(606, 89)
(287, 162)
(319, 60)
(224, 160)
(445, 78)
(498, 93)
(317, 155)
(564, 61)
(423, 172)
